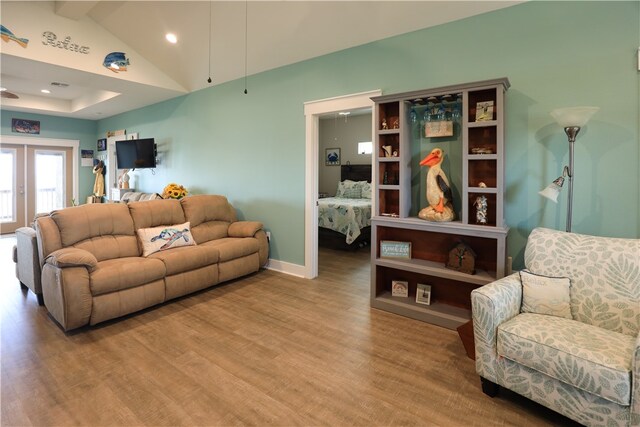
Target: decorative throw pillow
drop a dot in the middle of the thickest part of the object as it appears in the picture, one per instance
(349, 190)
(162, 238)
(366, 189)
(546, 295)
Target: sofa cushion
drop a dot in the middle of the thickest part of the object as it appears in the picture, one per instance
(187, 258)
(209, 215)
(165, 237)
(546, 295)
(154, 213)
(234, 247)
(593, 359)
(104, 229)
(124, 273)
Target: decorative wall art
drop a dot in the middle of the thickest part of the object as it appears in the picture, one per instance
(116, 62)
(102, 144)
(6, 35)
(332, 157)
(49, 38)
(25, 126)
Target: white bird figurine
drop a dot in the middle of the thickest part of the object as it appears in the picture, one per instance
(438, 191)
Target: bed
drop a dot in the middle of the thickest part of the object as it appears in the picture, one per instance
(345, 222)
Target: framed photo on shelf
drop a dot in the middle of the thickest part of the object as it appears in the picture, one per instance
(332, 157)
(393, 249)
(399, 288)
(484, 111)
(423, 294)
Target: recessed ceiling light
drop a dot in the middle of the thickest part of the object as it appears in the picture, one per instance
(45, 91)
(59, 84)
(171, 38)
(2, 89)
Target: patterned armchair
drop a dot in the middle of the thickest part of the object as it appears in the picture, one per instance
(586, 368)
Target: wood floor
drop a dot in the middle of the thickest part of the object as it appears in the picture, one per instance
(270, 349)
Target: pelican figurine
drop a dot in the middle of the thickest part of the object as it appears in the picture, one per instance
(438, 191)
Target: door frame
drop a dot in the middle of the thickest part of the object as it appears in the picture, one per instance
(50, 142)
(312, 111)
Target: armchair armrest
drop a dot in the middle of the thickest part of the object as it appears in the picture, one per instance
(492, 305)
(72, 257)
(244, 228)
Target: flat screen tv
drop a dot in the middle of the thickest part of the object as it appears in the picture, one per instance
(136, 153)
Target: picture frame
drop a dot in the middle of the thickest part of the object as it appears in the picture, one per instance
(31, 127)
(484, 111)
(102, 144)
(423, 294)
(399, 288)
(332, 157)
(395, 249)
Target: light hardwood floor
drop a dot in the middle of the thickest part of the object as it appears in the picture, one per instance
(269, 349)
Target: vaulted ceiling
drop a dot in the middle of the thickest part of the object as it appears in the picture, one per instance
(277, 33)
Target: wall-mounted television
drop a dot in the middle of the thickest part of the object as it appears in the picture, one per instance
(136, 153)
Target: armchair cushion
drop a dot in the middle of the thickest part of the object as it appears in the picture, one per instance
(72, 257)
(546, 295)
(587, 357)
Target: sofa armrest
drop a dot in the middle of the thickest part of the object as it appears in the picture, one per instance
(492, 305)
(244, 228)
(72, 257)
(27, 260)
(635, 377)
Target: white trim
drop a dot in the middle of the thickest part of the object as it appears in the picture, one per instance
(286, 268)
(312, 112)
(50, 142)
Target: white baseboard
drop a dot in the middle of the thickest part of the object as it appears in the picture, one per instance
(286, 268)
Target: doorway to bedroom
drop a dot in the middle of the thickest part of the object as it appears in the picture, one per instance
(326, 155)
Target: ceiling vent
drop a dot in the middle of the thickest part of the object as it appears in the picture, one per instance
(58, 84)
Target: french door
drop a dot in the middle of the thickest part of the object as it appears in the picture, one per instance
(33, 179)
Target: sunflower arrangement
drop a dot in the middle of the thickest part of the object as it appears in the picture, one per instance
(174, 191)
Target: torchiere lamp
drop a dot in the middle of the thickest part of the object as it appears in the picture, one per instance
(572, 120)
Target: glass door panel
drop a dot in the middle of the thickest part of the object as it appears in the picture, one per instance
(12, 194)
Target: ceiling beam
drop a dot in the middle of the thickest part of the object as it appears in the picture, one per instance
(74, 9)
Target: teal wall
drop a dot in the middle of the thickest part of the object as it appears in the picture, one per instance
(556, 54)
(60, 128)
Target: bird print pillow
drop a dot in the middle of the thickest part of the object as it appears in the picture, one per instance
(165, 237)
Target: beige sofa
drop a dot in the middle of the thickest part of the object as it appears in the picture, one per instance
(93, 266)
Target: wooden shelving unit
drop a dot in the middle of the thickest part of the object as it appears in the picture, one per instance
(475, 168)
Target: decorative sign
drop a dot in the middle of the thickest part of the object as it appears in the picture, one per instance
(399, 288)
(49, 38)
(25, 126)
(438, 129)
(392, 249)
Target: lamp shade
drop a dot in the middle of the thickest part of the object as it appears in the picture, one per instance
(552, 191)
(573, 116)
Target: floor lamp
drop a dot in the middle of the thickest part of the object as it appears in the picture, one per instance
(572, 120)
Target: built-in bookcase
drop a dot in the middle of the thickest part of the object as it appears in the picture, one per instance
(467, 122)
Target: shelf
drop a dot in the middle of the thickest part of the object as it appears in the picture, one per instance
(482, 156)
(388, 159)
(388, 131)
(486, 190)
(389, 187)
(437, 313)
(437, 269)
(485, 124)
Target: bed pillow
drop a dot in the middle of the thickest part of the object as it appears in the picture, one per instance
(365, 188)
(546, 295)
(348, 189)
(166, 237)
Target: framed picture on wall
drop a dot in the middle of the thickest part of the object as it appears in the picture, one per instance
(102, 144)
(332, 157)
